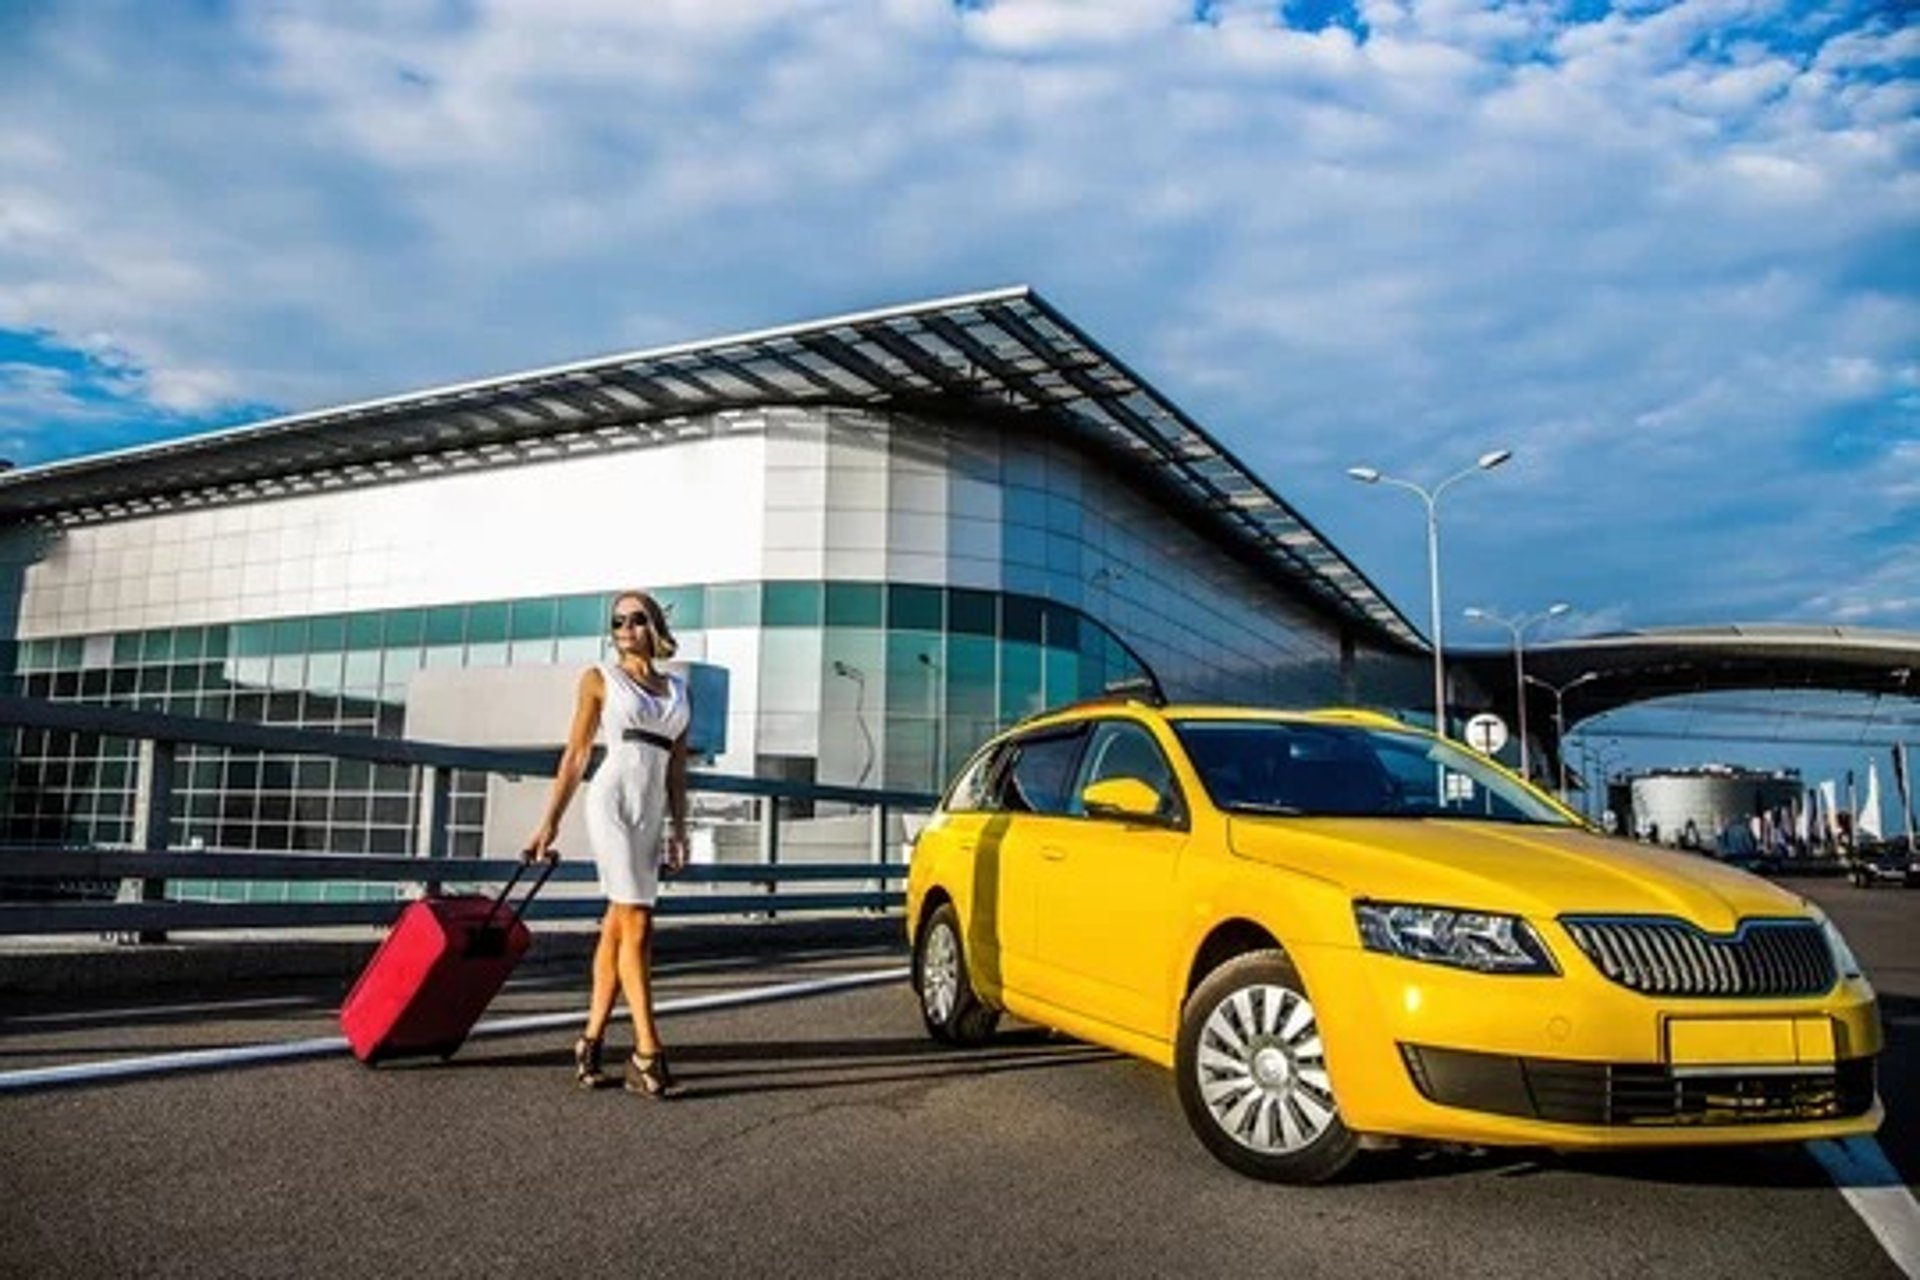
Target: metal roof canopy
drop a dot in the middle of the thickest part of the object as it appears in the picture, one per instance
(1605, 672)
(1005, 351)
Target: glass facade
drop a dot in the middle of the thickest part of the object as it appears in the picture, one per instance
(958, 665)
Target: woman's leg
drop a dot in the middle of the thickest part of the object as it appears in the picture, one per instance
(636, 979)
(605, 974)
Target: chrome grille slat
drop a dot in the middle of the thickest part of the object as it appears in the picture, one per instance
(1662, 956)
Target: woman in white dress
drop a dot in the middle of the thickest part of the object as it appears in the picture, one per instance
(641, 712)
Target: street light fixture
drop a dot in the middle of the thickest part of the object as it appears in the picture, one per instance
(1559, 692)
(1431, 497)
(1518, 627)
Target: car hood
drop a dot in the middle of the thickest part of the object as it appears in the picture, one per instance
(1542, 872)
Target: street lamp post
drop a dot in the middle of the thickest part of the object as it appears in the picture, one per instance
(1606, 755)
(1518, 627)
(1431, 497)
(859, 678)
(1559, 692)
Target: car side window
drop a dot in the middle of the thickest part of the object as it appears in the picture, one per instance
(975, 790)
(1124, 749)
(1039, 778)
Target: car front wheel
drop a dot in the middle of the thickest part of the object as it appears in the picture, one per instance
(1253, 1074)
(954, 1014)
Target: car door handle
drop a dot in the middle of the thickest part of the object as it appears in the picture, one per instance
(1053, 852)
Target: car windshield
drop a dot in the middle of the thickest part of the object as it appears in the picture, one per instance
(1352, 771)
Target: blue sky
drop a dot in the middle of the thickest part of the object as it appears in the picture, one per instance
(1667, 253)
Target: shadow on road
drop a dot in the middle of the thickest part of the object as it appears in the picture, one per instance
(723, 1069)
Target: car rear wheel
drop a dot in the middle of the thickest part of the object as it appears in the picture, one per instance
(954, 1014)
(1253, 1074)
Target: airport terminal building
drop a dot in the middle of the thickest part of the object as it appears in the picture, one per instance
(882, 537)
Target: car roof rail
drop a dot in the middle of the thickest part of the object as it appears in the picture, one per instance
(1141, 690)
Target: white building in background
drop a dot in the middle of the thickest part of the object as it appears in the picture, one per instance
(894, 532)
(1713, 807)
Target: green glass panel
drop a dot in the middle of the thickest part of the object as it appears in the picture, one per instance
(914, 608)
(970, 612)
(791, 604)
(290, 636)
(328, 634)
(733, 604)
(914, 663)
(68, 656)
(189, 643)
(1063, 628)
(126, 648)
(856, 604)
(686, 607)
(487, 623)
(583, 615)
(533, 619)
(971, 676)
(363, 631)
(1020, 618)
(219, 640)
(252, 640)
(1062, 676)
(156, 646)
(404, 628)
(36, 655)
(446, 624)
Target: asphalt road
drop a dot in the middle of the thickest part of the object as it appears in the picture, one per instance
(827, 1136)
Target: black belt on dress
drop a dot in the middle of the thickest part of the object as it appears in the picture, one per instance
(649, 737)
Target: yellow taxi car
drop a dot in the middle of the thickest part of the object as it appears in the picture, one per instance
(1335, 928)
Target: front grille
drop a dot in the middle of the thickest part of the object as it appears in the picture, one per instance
(1636, 1094)
(1667, 957)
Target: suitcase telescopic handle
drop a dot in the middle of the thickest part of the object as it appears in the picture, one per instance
(546, 869)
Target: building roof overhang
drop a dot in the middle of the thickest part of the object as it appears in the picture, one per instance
(1597, 674)
(1003, 352)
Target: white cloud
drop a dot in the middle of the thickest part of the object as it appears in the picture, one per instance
(1656, 258)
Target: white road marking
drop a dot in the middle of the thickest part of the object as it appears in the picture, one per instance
(152, 1011)
(323, 1046)
(1870, 1183)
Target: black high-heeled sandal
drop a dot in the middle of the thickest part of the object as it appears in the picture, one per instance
(648, 1074)
(588, 1073)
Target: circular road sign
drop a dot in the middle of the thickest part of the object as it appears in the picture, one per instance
(1486, 733)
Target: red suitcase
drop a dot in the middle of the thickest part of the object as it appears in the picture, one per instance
(436, 972)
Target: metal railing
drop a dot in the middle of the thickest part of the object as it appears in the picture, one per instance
(144, 868)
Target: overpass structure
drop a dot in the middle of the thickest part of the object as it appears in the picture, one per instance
(1592, 675)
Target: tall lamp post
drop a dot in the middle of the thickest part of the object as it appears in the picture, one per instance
(1559, 692)
(1605, 755)
(850, 672)
(1518, 626)
(1431, 497)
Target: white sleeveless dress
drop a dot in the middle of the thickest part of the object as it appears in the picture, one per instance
(626, 804)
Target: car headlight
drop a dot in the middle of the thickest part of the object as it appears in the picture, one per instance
(1843, 958)
(1485, 942)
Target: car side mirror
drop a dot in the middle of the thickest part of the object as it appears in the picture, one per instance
(1126, 798)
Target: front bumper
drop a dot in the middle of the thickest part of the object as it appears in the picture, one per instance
(1574, 1061)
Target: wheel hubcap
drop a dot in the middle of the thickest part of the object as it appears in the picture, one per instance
(940, 974)
(1263, 1072)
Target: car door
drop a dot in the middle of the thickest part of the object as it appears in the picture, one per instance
(1107, 910)
(1031, 825)
(967, 826)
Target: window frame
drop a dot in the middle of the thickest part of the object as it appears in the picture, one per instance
(1176, 815)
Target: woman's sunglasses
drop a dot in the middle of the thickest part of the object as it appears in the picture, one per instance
(637, 620)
